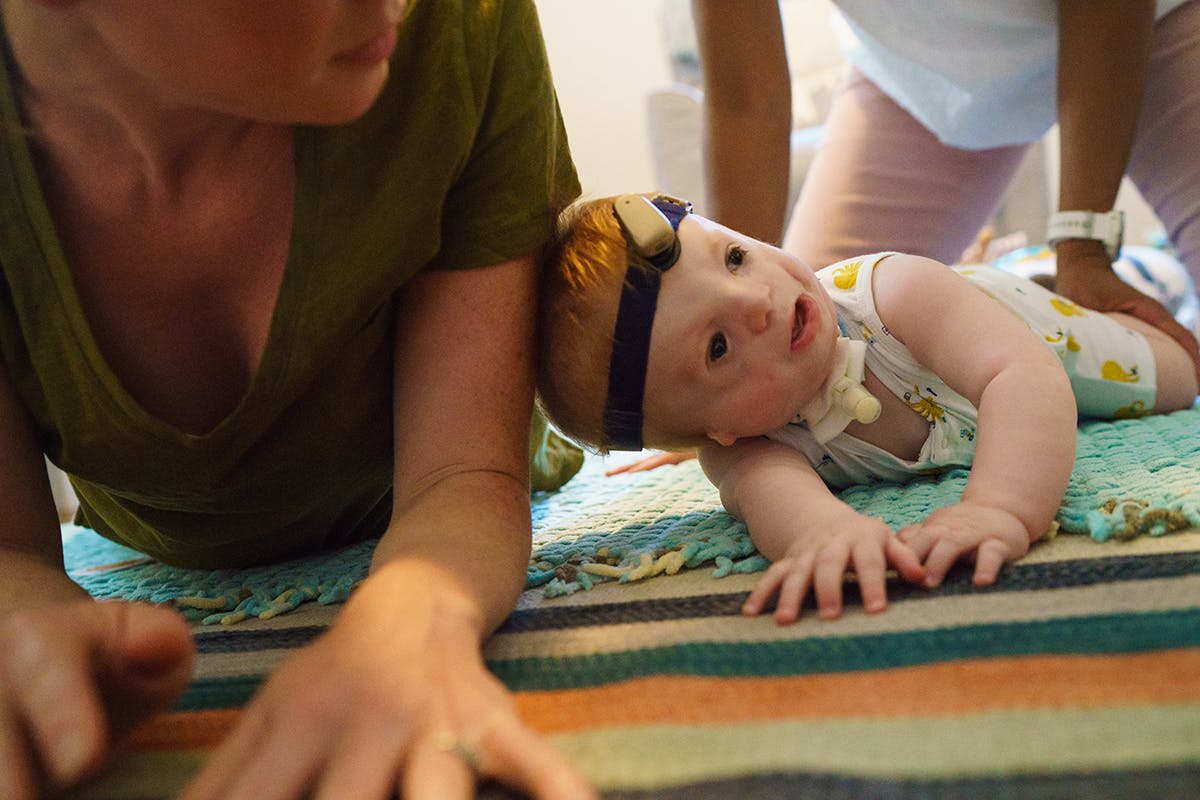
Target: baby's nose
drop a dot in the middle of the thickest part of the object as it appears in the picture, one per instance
(756, 308)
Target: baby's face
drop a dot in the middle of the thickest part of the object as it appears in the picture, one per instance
(743, 337)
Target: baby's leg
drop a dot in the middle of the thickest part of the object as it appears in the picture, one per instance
(1176, 375)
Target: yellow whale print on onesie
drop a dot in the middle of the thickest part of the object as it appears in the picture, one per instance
(1135, 409)
(1072, 344)
(1066, 307)
(844, 277)
(1112, 371)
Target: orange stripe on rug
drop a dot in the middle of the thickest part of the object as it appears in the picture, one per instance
(182, 730)
(950, 688)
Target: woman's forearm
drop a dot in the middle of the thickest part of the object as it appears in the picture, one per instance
(471, 533)
(1103, 53)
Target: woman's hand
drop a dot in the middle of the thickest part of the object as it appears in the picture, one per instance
(819, 561)
(394, 698)
(991, 537)
(74, 677)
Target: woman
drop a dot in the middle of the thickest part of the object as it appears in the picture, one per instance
(259, 261)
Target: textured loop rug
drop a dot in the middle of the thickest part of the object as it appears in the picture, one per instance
(1131, 478)
(1076, 675)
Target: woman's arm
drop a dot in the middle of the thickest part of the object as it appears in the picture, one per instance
(747, 114)
(74, 675)
(461, 521)
(463, 399)
(31, 561)
(1103, 53)
(1103, 56)
(397, 686)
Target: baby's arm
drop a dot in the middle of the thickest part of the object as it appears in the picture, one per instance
(811, 537)
(1025, 442)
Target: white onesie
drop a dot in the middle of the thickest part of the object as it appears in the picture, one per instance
(1111, 370)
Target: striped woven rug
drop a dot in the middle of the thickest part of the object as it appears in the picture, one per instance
(1077, 675)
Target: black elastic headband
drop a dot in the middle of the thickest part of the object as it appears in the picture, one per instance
(651, 227)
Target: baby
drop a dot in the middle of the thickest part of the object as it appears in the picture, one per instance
(663, 329)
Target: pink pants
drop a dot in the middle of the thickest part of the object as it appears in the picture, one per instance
(882, 181)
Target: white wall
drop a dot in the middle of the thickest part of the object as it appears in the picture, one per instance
(605, 57)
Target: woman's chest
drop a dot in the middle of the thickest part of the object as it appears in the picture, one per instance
(181, 304)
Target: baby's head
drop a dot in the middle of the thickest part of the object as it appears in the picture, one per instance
(660, 328)
(583, 278)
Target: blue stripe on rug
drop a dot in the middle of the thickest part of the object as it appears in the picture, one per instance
(1164, 782)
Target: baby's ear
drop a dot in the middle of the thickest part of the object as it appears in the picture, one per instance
(723, 439)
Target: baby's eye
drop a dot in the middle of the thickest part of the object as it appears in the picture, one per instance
(717, 347)
(735, 256)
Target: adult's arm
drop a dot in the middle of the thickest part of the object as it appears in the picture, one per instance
(747, 114)
(31, 560)
(397, 686)
(461, 520)
(73, 674)
(1103, 55)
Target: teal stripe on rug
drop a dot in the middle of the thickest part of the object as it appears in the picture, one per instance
(1093, 635)
(1102, 634)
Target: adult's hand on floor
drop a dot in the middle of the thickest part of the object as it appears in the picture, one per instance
(75, 677)
(394, 699)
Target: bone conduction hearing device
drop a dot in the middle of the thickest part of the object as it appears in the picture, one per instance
(651, 227)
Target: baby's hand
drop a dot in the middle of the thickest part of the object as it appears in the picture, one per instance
(989, 536)
(820, 559)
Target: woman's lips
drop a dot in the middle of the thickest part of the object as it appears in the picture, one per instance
(804, 322)
(378, 48)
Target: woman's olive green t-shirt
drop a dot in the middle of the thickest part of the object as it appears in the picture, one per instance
(462, 162)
